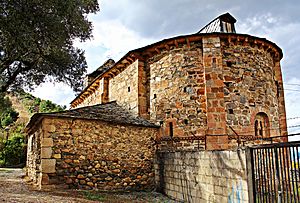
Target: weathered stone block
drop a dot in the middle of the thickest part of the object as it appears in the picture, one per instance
(47, 142)
(57, 156)
(46, 152)
(49, 128)
(45, 179)
(48, 165)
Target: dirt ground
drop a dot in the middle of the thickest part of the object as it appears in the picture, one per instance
(13, 188)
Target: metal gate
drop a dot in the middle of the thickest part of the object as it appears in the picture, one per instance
(275, 172)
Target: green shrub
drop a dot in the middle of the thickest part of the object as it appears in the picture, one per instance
(9, 117)
(48, 106)
(7, 114)
(14, 151)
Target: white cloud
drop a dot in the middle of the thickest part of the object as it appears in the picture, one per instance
(283, 34)
(113, 40)
(122, 26)
(58, 93)
(258, 25)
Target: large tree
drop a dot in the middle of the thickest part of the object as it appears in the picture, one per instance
(36, 41)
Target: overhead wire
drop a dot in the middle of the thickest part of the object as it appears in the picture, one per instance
(291, 90)
(291, 84)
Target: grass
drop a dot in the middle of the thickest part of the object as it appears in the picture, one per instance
(93, 196)
(124, 197)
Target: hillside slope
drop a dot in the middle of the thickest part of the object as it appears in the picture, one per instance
(26, 105)
(24, 115)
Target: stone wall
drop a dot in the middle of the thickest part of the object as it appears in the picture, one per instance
(94, 98)
(33, 162)
(123, 88)
(208, 87)
(216, 125)
(203, 176)
(250, 86)
(90, 154)
(177, 90)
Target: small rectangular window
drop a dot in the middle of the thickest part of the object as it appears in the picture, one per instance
(278, 88)
(228, 63)
(171, 129)
(128, 89)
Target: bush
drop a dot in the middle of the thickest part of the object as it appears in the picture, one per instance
(13, 151)
(9, 117)
(47, 106)
(7, 114)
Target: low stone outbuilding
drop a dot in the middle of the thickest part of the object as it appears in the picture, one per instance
(102, 146)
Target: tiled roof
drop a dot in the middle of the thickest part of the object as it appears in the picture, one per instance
(110, 112)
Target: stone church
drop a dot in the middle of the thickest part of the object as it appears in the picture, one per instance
(202, 90)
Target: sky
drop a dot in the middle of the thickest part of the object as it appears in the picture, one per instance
(123, 25)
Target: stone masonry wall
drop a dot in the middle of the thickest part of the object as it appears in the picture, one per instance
(177, 90)
(213, 85)
(250, 86)
(33, 162)
(123, 88)
(203, 176)
(92, 154)
(216, 124)
(94, 98)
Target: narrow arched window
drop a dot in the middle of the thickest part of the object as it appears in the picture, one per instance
(261, 125)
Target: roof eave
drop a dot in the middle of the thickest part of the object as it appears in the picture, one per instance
(136, 51)
(38, 117)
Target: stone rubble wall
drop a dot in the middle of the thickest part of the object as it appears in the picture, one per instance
(33, 162)
(177, 90)
(216, 125)
(250, 86)
(202, 176)
(88, 154)
(94, 98)
(203, 87)
(123, 88)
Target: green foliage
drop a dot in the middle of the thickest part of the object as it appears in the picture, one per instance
(37, 105)
(7, 114)
(13, 151)
(47, 106)
(36, 41)
(4, 102)
(9, 117)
